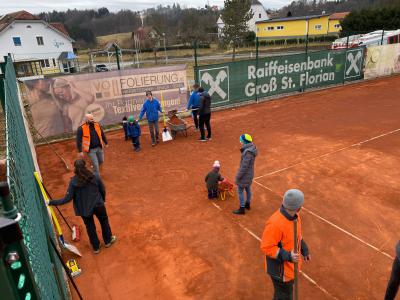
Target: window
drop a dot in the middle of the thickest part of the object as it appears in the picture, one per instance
(17, 41)
(337, 26)
(318, 27)
(45, 63)
(39, 40)
(270, 28)
(54, 63)
(280, 27)
(259, 16)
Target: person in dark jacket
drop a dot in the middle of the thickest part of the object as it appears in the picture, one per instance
(134, 133)
(212, 179)
(394, 281)
(193, 104)
(89, 195)
(151, 107)
(204, 115)
(245, 174)
(125, 126)
(90, 138)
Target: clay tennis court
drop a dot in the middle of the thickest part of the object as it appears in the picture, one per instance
(340, 146)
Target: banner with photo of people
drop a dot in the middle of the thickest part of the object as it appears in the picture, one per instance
(58, 105)
(382, 60)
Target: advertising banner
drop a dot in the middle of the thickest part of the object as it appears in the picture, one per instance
(58, 105)
(243, 80)
(382, 61)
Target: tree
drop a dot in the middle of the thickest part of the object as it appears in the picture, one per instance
(235, 15)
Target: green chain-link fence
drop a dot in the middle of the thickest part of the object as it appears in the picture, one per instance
(35, 223)
(249, 80)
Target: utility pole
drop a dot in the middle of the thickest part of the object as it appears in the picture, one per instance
(165, 50)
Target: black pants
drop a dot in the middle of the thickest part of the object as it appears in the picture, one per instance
(136, 142)
(205, 120)
(195, 115)
(125, 132)
(212, 194)
(394, 281)
(283, 290)
(101, 214)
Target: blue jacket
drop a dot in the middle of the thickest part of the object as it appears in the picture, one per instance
(134, 129)
(194, 100)
(151, 108)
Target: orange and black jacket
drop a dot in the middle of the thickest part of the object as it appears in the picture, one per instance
(277, 243)
(90, 136)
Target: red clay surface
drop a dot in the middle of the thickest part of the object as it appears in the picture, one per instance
(175, 244)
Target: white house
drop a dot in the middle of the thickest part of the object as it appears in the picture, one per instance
(36, 47)
(259, 14)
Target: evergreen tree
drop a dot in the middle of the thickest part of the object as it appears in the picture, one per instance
(235, 15)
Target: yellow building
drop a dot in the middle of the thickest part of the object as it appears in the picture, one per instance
(298, 27)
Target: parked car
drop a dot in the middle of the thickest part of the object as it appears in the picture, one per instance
(101, 68)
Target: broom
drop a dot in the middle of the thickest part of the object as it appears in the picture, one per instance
(166, 135)
(296, 265)
(66, 246)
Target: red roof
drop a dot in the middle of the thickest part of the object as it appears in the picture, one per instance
(338, 16)
(6, 20)
(60, 27)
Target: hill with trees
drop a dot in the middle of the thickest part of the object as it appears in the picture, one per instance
(179, 25)
(315, 7)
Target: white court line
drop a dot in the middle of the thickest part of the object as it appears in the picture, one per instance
(217, 206)
(334, 225)
(327, 154)
(301, 272)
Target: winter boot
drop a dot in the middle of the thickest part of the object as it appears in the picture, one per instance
(239, 211)
(247, 205)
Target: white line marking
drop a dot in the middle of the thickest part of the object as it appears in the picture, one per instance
(334, 225)
(250, 232)
(317, 285)
(301, 272)
(217, 206)
(327, 154)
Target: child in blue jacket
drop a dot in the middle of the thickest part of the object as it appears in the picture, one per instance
(134, 133)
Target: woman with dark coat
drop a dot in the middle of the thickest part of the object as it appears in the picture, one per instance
(245, 174)
(88, 192)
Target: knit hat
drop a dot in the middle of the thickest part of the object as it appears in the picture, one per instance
(293, 199)
(246, 138)
(216, 164)
(131, 119)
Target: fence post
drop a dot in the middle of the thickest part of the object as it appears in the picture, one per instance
(345, 55)
(195, 63)
(256, 95)
(117, 56)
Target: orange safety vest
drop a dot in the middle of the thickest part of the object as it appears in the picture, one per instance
(86, 135)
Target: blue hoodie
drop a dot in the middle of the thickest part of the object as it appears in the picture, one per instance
(133, 129)
(194, 100)
(151, 108)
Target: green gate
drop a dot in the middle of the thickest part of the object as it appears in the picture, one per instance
(35, 223)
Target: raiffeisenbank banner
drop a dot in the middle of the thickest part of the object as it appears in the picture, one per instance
(382, 61)
(59, 104)
(243, 80)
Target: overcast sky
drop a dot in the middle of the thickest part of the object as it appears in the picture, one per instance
(36, 6)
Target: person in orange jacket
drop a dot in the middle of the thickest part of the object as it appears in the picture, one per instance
(278, 245)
